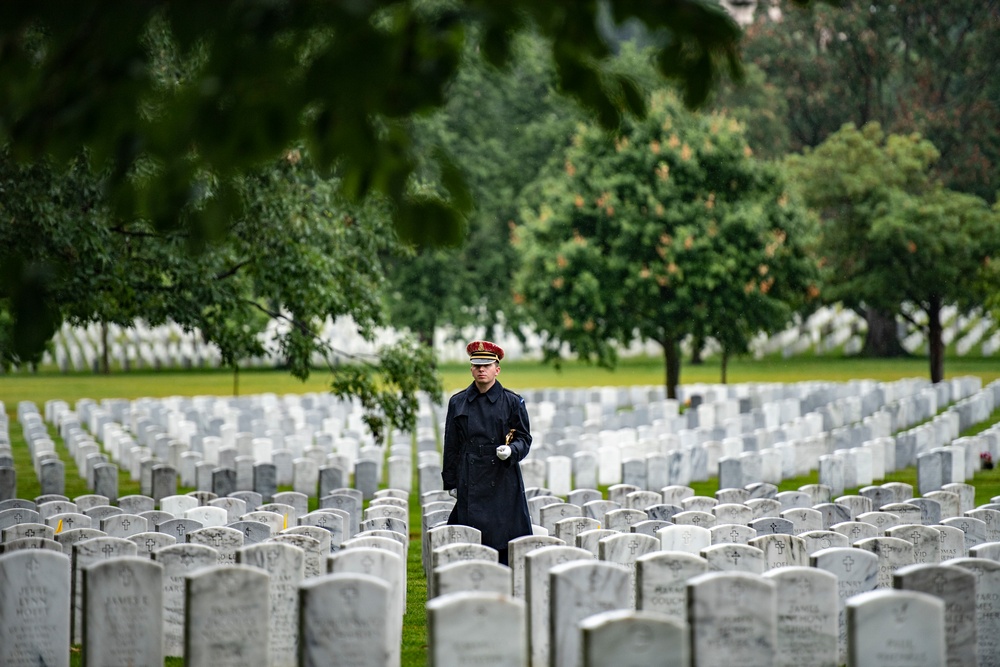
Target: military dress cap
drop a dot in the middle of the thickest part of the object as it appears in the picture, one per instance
(482, 352)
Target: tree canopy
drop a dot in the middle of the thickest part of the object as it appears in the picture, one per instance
(500, 126)
(918, 66)
(298, 257)
(217, 87)
(667, 228)
(892, 236)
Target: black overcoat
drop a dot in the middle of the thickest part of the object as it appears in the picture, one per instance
(490, 491)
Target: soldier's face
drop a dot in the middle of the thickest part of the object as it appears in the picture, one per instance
(484, 375)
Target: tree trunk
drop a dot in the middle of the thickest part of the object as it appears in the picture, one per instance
(426, 338)
(697, 344)
(725, 363)
(882, 339)
(672, 355)
(105, 364)
(236, 379)
(934, 339)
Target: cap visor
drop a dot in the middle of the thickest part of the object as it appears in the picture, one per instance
(482, 362)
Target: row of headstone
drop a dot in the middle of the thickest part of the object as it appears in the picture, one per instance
(658, 575)
(312, 443)
(848, 438)
(8, 474)
(809, 619)
(338, 538)
(872, 536)
(599, 545)
(169, 346)
(255, 612)
(160, 460)
(48, 467)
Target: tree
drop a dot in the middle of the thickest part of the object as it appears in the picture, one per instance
(299, 256)
(499, 126)
(175, 103)
(891, 234)
(248, 78)
(918, 66)
(667, 228)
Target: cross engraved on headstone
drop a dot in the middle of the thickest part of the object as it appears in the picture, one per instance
(108, 549)
(125, 575)
(900, 612)
(350, 593)
(322, 521)
(593, 581)
(150, 543)
(879, 520)
(856, 531)
(686, 537)
(628, 519)
(848, 562)
(17, 517)
(580, 525)
(218, 540)
(774, 527)
(735, 555)
(30, 532)
(734, 535)
(246, 531)
(180, 529)
(914, 536)
(32, 566)
(367, 562)
(69, 522)
(939, 583)
(126, 523)
(632, 546)
(965, 526)
(674, 566)
(780, 546)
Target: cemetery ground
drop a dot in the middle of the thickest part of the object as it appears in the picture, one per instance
(70, 387)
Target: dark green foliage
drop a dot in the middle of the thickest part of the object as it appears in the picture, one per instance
(666, 229)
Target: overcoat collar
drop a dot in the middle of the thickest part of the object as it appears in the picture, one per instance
(493, 393)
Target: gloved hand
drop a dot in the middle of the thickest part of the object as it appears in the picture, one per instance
(453, 493)
(503, 452)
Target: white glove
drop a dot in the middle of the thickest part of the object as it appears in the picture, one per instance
(453, 493)
(503, 452)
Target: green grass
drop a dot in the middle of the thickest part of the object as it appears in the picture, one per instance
(516, 375)
(43, 386)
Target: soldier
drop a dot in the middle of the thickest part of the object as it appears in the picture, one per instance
(486, 435)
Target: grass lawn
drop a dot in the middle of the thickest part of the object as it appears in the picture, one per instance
(44, 386)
